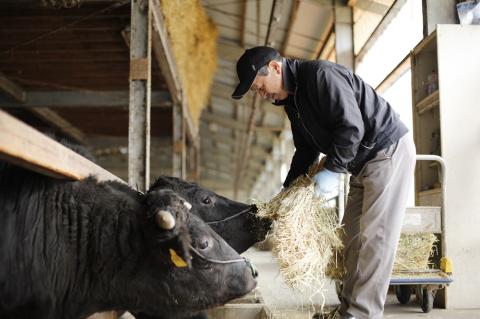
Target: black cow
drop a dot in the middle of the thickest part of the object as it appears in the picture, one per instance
(235, 222)
(69, 249)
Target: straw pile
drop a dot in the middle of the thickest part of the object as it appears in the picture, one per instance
(193, 36)
(413, 252)
(307, 238)
(306, 232)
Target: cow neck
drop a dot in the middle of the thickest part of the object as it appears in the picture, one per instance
(103, 240)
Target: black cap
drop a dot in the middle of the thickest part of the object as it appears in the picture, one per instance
(248, 65)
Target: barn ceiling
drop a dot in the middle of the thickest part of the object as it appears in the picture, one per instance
(75, 61)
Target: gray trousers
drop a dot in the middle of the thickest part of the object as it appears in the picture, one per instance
(373, 221)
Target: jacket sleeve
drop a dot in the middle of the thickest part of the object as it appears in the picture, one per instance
(339, 105)
(303, 157)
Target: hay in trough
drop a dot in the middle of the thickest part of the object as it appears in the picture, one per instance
(306, 234)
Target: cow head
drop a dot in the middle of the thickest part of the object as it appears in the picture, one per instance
(240, 232)
(185, 262)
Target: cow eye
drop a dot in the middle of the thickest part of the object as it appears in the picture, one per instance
(203, 244)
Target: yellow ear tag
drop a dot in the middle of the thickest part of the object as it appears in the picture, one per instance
(176, 259)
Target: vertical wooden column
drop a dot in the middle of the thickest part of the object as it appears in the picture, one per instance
(139, 103)
(438, 12)
(179, 142)
(344, 34)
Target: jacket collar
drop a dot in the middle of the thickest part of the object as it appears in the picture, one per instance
(289, 71)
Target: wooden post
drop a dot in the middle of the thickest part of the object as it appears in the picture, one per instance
(438, 12)
(179, 141)
(139, 104)
(344, 34)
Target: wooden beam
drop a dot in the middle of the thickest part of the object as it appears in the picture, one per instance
(291, 21)
(178, 142)
(56, 120)
(388, 17)
(242, 24)
(393, 76)
(24, 146)
(12, 89)
(231, 123)
(344, 34)
(329, 46)
(323, 39)
(19, 94)
(56, 99)
(140, 89)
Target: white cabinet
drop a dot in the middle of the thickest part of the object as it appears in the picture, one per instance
(446, 118)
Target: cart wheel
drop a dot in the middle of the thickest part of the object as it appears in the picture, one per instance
(427, 300)
(338, 289)
(403, 293)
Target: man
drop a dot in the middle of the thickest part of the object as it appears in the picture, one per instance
(334, 112)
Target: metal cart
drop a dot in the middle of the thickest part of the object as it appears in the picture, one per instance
(425, 283)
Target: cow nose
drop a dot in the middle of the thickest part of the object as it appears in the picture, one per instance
(252, 267)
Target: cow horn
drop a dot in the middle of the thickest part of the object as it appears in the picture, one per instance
(187, 204)
(165, 220)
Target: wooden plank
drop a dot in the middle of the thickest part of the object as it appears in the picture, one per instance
(65, 99)
(428, 102)
(140, 97)
(12, 89)
(25, 146)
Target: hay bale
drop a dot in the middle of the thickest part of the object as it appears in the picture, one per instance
(306, 231)
(413, 252)
(193, 36)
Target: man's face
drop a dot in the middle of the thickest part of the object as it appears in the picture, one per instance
(270, 86)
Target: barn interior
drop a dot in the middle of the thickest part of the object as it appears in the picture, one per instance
(144, 88)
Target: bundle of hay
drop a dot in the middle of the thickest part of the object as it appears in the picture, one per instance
(307, 238)
(306, 232)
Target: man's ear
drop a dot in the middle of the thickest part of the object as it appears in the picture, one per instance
(275, 66)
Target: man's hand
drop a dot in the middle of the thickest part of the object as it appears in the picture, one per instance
(326, 184)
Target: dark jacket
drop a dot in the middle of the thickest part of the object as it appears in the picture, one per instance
(333, 111)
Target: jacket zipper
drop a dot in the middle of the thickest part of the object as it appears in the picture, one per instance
(300, 119)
